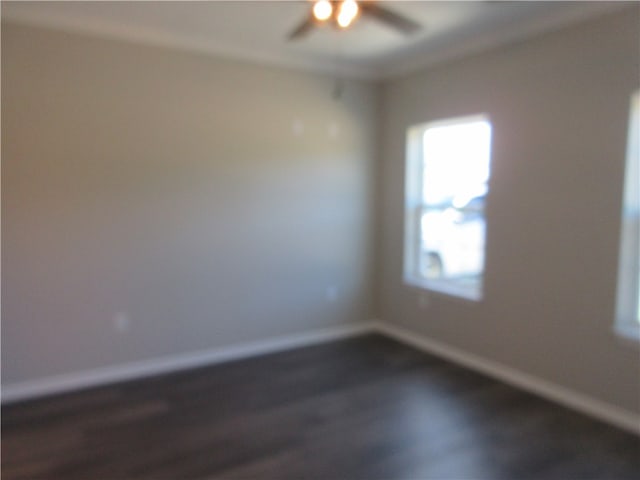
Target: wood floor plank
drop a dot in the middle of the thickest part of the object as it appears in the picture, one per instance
(364, 408)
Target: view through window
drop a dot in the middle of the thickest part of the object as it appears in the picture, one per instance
(628, 305)
(447, 179)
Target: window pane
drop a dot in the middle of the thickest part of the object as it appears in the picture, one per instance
(456, 161)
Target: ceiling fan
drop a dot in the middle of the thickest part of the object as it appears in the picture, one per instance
(342, 14)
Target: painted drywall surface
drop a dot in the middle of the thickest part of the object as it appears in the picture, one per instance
(559, 105)
(208, 201)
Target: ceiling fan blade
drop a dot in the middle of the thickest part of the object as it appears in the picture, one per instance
(302, 29)
(399, 22)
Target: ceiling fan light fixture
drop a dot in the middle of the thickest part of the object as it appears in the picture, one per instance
(347, 13)
(322, 10)
(341, 14)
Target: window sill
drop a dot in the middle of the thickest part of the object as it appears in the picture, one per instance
(453, 291)
(628, 331)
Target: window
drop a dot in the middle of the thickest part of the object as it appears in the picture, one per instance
(628, 305)
(447, 181)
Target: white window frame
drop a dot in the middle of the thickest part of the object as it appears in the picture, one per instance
(628, 295)
(414, 205)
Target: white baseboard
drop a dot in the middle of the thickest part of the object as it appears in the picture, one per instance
(101, 376)
(577, 401)
(129, 371)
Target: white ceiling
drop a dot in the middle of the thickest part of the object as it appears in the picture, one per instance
(257, 30)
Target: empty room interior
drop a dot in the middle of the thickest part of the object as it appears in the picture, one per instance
(320, 239)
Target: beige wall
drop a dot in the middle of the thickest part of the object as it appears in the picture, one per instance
(559, 105)
(213, 202)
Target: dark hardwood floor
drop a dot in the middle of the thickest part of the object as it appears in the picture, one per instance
(364, 408)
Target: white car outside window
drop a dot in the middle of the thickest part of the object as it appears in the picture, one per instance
(453, 240)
